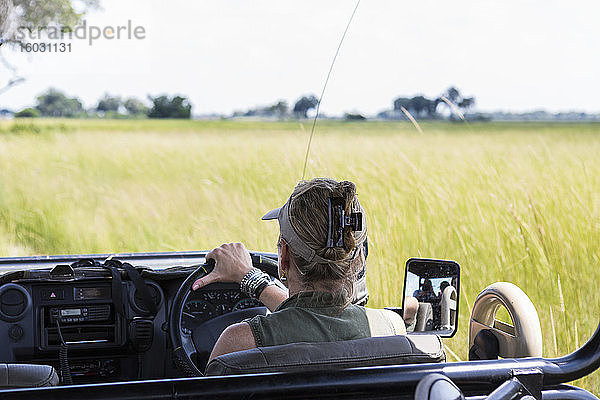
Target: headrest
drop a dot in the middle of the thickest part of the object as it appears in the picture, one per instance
(387, 350)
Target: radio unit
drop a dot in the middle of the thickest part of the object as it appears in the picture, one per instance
(89, 313)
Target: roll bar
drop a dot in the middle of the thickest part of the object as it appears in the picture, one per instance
(578, 364)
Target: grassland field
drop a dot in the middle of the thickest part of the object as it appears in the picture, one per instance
(517, 202)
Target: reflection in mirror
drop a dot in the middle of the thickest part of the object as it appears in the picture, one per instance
(430, 302)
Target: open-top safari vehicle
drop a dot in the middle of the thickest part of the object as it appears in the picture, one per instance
(128, 326)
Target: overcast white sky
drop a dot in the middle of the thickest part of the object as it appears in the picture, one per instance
(229, 55)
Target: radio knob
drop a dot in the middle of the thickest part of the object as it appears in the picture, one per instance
(16, 332)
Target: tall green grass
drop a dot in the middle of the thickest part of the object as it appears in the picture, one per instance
(509, 202)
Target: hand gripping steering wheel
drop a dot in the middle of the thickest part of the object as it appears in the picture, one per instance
(523, 338)
(204, 335)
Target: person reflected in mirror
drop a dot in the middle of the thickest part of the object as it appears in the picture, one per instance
(443, 287)
(411, 307)
(426, 294)
(321, 252)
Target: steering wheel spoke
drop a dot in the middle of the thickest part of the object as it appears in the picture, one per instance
(191, 322)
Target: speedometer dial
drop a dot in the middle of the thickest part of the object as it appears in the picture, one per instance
(247, 303)
(194, 313)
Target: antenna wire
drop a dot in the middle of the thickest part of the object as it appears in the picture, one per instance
(314, 124)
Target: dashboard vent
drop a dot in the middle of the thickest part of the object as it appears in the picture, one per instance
(13, 302)
(139, 301)
(98, 313)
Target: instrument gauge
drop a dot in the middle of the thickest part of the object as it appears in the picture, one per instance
(247, 303)
(223, 309)
(194, 313)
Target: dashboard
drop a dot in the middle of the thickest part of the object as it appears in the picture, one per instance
(107, 329)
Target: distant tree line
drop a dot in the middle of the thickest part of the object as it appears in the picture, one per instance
(422, 107)
(281, 109)
(418, 106)
(56, 104)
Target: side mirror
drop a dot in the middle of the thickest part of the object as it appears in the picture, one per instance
(430, 300)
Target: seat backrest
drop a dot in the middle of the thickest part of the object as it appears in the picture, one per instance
(386, 350)
(27, 375)
(448, 306)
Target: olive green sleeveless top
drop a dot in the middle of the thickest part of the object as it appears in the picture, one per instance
(319, 317)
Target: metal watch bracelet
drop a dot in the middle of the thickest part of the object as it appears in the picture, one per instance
(254, 282)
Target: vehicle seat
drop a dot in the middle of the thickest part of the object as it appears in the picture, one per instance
(448, 306)
(386, 350)
(27, 375)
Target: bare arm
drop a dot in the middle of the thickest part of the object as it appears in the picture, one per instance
(273, 296)
(232, 262)
(236, 337)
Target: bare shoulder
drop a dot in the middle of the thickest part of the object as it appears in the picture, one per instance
(236, 337)
(397, 322)
(384, 322)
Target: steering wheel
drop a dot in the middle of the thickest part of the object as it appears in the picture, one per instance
(204, 335)
(521, 339)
